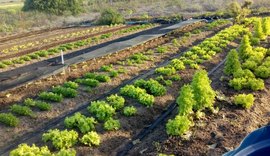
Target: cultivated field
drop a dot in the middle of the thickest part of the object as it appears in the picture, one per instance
(186, 87)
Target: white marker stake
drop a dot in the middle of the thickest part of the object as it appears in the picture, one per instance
(62, 57)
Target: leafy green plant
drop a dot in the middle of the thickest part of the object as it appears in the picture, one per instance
(24, 149)
(262, 72)
(204, 95)
(91, 139)
(102, 110)
(61, 139)
(232, 63)
(9, 119)
(162, 49)
(113, 73)
(112, 124)
(88, 82)
(132, 91)
(178, 126)
(2, 65)
(65, 92)
(103, 78)
(66, 152)
(22, 110)
(185, 100)
(90, 75)
(166, 71)
(71, 84)
(244, 100)
(85, 124)
(29, 102)
(146, 99)
(49, 96)
(106, 68)
(129, 111)
(175, 77)
(43, 106)
(177, 64)
(259, 30)
(245, 49)
(152, 86)
(117, 102)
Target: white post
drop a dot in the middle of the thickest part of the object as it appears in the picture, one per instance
(62, 57)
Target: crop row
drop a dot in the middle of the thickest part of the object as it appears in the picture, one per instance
(18, 48)
(197, 96)
(69, 46)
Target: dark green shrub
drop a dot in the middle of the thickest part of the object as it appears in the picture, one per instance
(117, 102)
(9, 119)
(244, 100)
(129, 111)
(51, 96)
(58, 7)
(112, 124)
(66, 92)
(21, 110)
(110, 16)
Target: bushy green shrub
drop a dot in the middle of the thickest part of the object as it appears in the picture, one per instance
(132, 91)
(66, 152)
(204, 95)
(178, 126)
(25, 150)
(21, 110)
(58, 7)
(112, 124)
(43, 106)
(185, 100)
(113, 73)
(162, 49)
(244, 100)
(85, 124)
(117, 102)
(177, 64)
(103, 78)
(262, 72)
(61, 139)
(50, 96)
(259, 30)
(245, 49)
(102, 110)
(152, 86)
(9, 119)
(88, 82)
(110, 16)
(129, 111)
(91, 139)
(65, 92)
(71, 84)
(232, 63)
(146, 99)
(166, 71)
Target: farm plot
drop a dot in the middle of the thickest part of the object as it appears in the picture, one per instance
(50, 48)
(164, 76)
(78, 69)
(242, 95)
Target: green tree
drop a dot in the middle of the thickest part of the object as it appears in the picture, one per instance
(58, 7)
(110, 16)
(232, 63)
(239, 12)
(204, 95)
